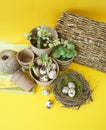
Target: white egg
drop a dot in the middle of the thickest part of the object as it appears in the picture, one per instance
(71, 85)
(45, 92)
(53, 66)
(71, 92)
(52, 74)
(65, 90)
(49, 104)
(42, 71)
(44, 78)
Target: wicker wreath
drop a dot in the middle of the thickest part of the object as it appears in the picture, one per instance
(83, 92)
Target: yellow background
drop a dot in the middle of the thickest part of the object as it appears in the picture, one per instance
(28, 112)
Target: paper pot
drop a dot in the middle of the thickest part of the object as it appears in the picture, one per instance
(25, 57)
(63, 65)
(22, 80)
(44, 84)
(40, 51)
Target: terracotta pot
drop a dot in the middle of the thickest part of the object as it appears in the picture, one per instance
(22, 80)
(40, 51)
(25, 57)
(63, 65)
(44, 84)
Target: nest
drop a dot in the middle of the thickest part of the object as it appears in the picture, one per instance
(89, 37)
(83, 92)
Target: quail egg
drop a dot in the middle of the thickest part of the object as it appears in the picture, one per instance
(52, 74)
(71, 92)
(44, 78)
(39, 62)
(65, 90)
(42, 71)
(71, 85)
(49, 104)
(53, 66)
(45, 92)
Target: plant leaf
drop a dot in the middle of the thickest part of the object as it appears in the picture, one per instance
(74, 53)
(56, 54)
(69, 55)
(71, 46)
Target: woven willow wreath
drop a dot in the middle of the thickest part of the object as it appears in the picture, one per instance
(83, 92)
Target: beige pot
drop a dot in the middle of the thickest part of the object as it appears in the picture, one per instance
(22, 80)
(25, 57)
(38, 51)
(63, 65)
(48, 83)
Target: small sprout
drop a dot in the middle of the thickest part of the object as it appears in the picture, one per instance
(38, 43)
(43, 37)
(31, 65)
(45, 44)
(28, 36)
(23, 69)
(45, 61)
(43, 32)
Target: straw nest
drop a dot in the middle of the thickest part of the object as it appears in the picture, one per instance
(83, 92)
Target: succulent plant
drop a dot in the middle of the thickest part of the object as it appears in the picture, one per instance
(65, 51)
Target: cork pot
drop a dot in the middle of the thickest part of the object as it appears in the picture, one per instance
(63, 65)
(39, 51)
(21, 79)
(25, 57)
(48, 83)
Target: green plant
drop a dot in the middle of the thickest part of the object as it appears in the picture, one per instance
(65, 51)
(43, 38)
(45, 60)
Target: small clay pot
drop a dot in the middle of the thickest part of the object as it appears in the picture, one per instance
(47, 83)
(21, 79)
(25, 57)
(63, 65)
(39, 51)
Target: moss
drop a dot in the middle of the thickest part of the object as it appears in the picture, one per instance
(82, 89)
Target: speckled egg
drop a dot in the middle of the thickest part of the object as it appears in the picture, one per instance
(49, 104)
(53, 66)
(65, 90)
(45, 92)
(71, 92)
(52, 74)
(42, 71)
(44, 78)
(71, 85)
